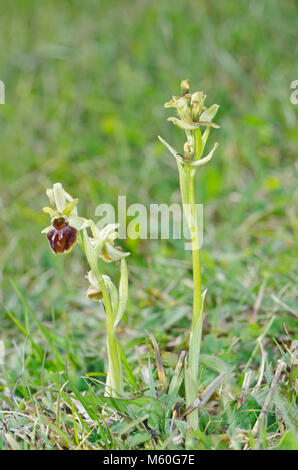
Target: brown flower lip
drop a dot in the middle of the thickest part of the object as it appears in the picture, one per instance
(63, 237)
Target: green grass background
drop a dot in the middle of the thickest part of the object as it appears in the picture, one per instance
(85, 86)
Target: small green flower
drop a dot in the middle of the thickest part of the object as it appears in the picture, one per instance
(103, 242)
(197, 104)
(182, 105)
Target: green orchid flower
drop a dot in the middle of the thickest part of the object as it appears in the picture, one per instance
(103, 242)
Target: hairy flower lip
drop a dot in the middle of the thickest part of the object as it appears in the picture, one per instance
(63, 237)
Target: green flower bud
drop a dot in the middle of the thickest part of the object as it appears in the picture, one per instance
(94, 291)
(189, 147)
(184, 87)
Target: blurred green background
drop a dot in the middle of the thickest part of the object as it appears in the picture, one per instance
(85, 88)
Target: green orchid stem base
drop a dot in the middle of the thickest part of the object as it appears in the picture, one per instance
(114, 312)
(186, 178)
(191, 383)
(114, 382)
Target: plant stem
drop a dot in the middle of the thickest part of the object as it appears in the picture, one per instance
(188, 197)
(114, 375)
(196, 324)
(114, 381)
(196, 265)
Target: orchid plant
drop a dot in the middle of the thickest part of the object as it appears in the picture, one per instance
(192, 117)
(67, 228)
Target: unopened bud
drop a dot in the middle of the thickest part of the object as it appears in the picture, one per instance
(189, 147)
(94, 294)
(185, 87)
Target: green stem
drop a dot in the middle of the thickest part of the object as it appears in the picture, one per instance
(196, 324)
(114, 382)
(188, 197)
(114, 375)
(197, 283)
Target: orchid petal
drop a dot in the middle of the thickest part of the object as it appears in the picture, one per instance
(206, 159)
(175, 154)
(209, 113)
(59, 196)
(183, 124)
(47, 229)
(78, 222)
(115, 254)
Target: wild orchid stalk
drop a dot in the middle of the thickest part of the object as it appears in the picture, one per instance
(192, 117)
(65, 230)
